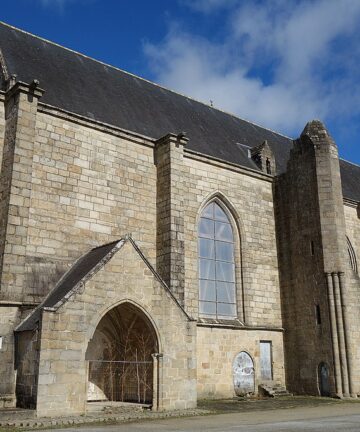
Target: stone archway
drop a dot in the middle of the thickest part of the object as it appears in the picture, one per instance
(120, 358)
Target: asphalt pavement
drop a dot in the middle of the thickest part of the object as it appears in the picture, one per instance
(344, 417)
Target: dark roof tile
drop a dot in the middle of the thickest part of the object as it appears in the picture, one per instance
(87, 87)
(82, 267)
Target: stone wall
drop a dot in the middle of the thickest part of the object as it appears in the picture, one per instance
(91, 184)
(315, 281)
(302, 277)
(66, 333)
(89, 187)
(217, 348)
(15, 188)
(170, 198)
(249, 199)
(352, 221)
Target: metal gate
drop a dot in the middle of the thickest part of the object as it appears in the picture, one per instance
(122, 381)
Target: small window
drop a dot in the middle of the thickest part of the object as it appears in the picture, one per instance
(318, 314)
(268, 166)
(217, 297)
(312, 248)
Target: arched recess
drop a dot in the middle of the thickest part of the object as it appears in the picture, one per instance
(324, 379)
(234, 220)
(243, 374)
(120, 356)
(352, 255)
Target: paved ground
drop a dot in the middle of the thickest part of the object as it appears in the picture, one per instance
(344, 417)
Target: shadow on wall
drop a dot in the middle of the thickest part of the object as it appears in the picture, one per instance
(120, 357)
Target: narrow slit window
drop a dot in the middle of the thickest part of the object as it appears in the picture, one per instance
(318, 314)
(268, 166)
(312, 248)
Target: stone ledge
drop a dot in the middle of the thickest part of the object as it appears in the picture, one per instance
(233, 324)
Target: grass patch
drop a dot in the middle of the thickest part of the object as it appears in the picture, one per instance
(248, 405)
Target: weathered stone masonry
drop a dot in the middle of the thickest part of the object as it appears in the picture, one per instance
(314, 270)
(99, 214)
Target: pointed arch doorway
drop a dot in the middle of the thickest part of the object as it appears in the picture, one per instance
(120, 357)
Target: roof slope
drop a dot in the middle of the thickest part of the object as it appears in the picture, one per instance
(83, 270)
(350, 178)
(80, 269)
(79, 84)
(87, 87)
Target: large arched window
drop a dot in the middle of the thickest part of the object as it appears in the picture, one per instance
(217, 293)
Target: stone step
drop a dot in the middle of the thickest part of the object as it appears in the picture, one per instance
(274, 391)
(115, 407)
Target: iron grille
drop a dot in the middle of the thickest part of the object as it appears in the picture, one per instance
(122, 381)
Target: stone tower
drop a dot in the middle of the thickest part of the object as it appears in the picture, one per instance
(313, 261)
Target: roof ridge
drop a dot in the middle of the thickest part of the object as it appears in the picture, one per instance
(144, 79)
(104, 245)
(350, 162)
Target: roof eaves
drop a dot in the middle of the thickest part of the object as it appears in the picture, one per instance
(146, 80)
(97, 124)
(78, 288)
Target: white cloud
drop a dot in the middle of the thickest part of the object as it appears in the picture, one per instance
(281, 63)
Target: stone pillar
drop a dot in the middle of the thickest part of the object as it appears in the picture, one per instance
(15, 186)
(169, 153)
(157, 382)
(346, 325)
(341, 336)
(335, 341)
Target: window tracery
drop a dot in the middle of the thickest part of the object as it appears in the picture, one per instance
(217, 293)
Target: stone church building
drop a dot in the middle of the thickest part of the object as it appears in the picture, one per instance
(157, 250)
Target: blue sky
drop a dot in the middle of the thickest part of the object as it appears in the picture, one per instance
(278, 63)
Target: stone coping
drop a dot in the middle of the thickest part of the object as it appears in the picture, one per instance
(109, 415)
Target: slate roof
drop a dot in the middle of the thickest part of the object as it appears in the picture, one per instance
(87, 87)
(350, 177)
(81, 268)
